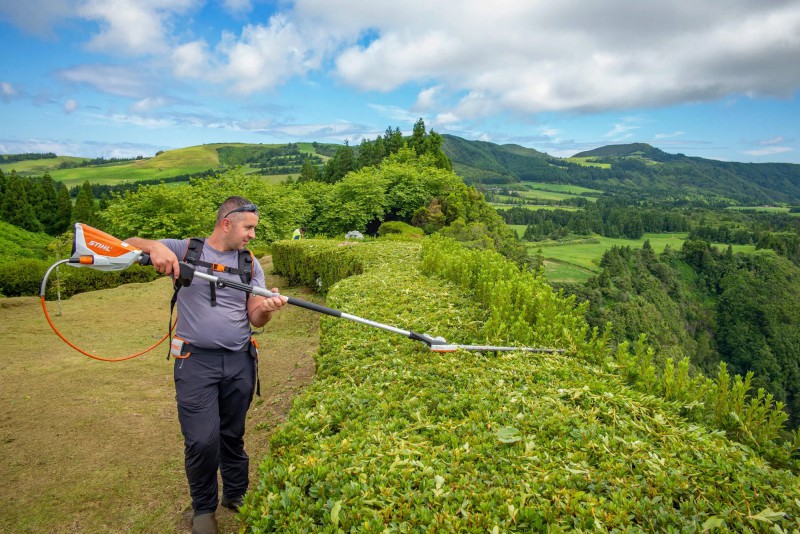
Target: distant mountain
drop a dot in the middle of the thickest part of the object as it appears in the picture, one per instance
(480, 161)
(637, 170)
(642, 150)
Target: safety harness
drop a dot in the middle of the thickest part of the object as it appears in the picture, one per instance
(245, 271)
(192, 256)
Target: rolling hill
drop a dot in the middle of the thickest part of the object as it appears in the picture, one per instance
(637, 169)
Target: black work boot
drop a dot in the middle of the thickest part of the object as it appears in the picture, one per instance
(204, 523)
(233, 503)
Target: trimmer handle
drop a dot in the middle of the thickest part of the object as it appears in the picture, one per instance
(144, 259)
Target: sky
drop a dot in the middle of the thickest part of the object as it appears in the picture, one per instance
(126, 78)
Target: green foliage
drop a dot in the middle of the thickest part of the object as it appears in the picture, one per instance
(392, 436)
(522, 307)
(16, 243)
(157, 212)
(85, 209)
(24, 278)
(15, 206)
(320, 263)
(398, 229)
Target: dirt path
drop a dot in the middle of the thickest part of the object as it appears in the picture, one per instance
(91, 446)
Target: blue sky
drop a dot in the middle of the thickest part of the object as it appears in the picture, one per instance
(122, 78)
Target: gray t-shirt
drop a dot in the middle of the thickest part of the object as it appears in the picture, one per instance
(225, 325)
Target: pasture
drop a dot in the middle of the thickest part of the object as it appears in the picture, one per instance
(579, 259)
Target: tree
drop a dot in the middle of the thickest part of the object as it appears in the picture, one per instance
(85, 210)
(308, 173)
(15, 207)
(342, 162)
(63, 211)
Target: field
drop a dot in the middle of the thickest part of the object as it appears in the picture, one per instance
(586, 163)
(93, 447)
(532, 192)
(578, 260)
(183, 161)
(37, 167)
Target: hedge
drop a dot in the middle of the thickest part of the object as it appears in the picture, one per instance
(24, 278)
(394, 438)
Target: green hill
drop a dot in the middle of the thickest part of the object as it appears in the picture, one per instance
(636, 170)
(182, 162)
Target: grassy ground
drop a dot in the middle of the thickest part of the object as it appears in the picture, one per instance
(89, 446)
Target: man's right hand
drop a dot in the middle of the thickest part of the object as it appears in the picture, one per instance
(163, 259)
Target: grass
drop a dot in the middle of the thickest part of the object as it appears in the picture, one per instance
(166, 165)
(90, 446)
(577, 260)
(587, 163)
(37, 167)
(563, 188)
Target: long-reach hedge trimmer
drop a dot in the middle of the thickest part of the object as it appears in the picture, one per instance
(98, 250)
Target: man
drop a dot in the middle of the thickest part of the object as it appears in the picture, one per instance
(215, 373)
(299, 233)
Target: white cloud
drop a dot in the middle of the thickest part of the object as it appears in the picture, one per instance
(117, 80)
(7, 91)
(147, 105)
(37, 17)
(676, 133)
(768, 151)
(237, 7)
(132, 28)
(70, 106)
(570, 56)
(774, 141)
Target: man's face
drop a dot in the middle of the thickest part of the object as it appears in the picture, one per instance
(242, 229)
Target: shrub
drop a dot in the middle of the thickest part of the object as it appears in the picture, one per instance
(24, 278)
(392, 437)
(399, 228)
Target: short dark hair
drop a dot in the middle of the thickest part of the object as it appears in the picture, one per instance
(235, 204)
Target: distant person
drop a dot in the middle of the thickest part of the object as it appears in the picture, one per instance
(215, 359)
(299, 233)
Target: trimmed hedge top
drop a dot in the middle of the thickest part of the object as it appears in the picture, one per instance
(394, 438)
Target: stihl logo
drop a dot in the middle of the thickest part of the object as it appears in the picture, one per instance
(100, 245)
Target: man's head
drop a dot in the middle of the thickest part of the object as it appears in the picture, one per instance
(237, 218)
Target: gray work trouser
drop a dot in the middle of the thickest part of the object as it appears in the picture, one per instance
(213, 390)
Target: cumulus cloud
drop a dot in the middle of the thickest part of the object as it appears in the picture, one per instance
(132, 28)
(572, 56)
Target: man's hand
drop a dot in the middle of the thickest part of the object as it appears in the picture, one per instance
(260, 309)
(272, 304)
(163, 259)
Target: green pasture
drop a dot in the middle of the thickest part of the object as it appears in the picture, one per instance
(576, 260)
(563, 188)
(766, 209)
(586, 163)
(38, 167)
